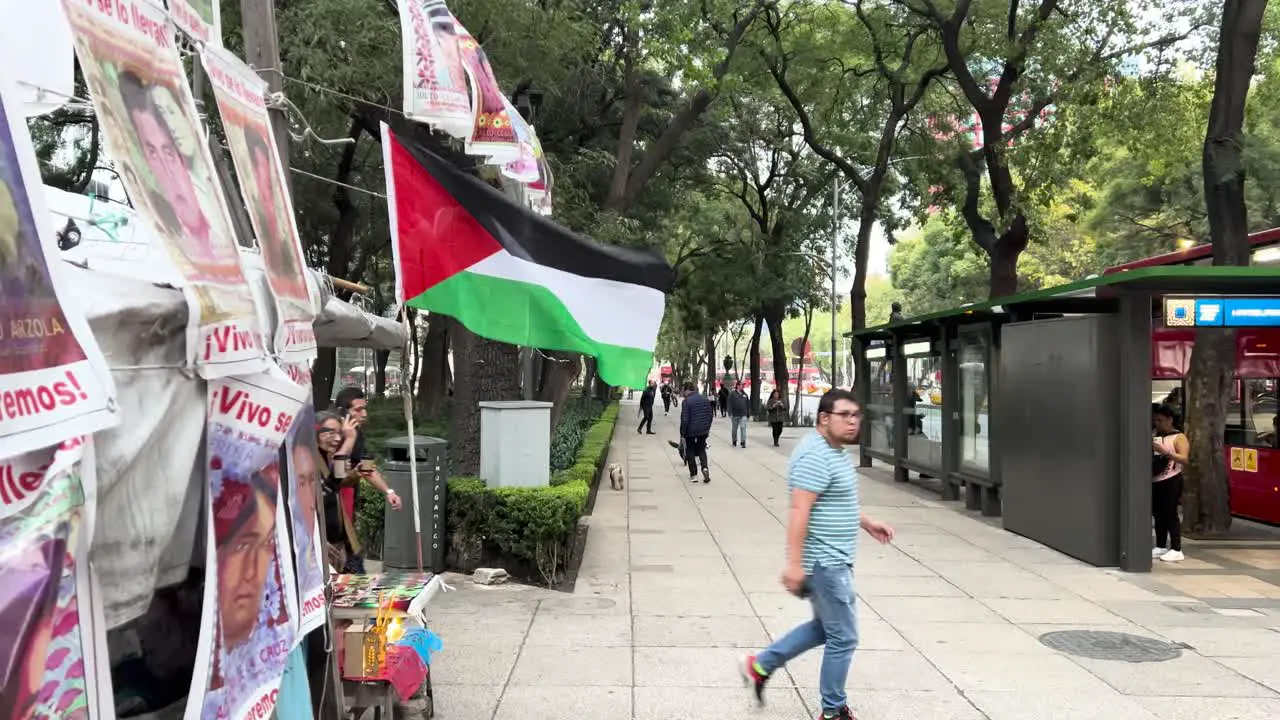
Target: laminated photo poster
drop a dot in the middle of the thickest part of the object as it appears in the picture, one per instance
(53, 659)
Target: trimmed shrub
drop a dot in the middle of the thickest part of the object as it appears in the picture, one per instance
(532, 525)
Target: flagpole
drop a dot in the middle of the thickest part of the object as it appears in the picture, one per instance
(407, 395)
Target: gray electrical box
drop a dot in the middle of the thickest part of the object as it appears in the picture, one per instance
(399, 548)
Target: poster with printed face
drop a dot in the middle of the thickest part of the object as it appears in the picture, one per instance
(249, 626)
(435, 85)
(128, 53)
(304, 496)
(49, 627)
(241, 97)
(201, 19)
(54, 382)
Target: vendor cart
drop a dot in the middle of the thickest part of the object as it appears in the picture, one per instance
(362, 604)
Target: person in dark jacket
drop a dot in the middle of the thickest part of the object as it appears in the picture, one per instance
(646, 407)
(722, 399)
(695, 424)
(739, 410)
(777, 415)
(666, 398)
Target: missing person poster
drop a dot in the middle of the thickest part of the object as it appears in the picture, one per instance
(201, 19)
(128, 52)
(304, 496)
(54, 382)
(50, 627)
(241, 97)
(248, 629)
(435, 84)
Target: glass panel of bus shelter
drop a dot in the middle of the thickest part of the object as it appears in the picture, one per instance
(878, 416)
(924, 410)
(975, 425)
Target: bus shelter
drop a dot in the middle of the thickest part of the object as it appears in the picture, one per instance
(1037, 407)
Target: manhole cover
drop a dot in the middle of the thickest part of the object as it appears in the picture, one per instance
(1105, 645)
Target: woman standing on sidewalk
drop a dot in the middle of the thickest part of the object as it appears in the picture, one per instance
(1171, 450)
(777, 415)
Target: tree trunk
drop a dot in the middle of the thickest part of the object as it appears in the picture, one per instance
(340, 251)
(804, 342)
(1004, 259)
(1207, 499)
(753, 351)
(380, 360)
(558, 374)
(434, 377)
(323, 373)
(781, 376)
(487, 370)
(1206, 502)
(710, 350)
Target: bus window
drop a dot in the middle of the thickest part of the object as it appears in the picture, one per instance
(1259, 412)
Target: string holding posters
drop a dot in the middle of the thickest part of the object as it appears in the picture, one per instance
(435, 84)
(241, 97)
(129, 56)
(201, 19)
(248, 628)
(54, 381)
(50, 623)
(492, 134)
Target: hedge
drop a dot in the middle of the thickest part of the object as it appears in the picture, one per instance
(530, 525)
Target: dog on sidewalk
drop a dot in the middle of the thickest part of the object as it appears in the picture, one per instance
(617, 476)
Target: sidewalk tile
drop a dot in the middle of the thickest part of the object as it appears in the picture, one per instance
(1035, 705)
(930, 609)
(914, 705)
(558, 629)
(1009, 672)
(728, 631)
(1190, 708)
(470, 664)
(1265, 671)
(457, 701)
(573, 666)
(1045, 612)
(874, 670)
(705, 703)
(1189, 676)
(687, 667)
(558, 703)
(969, 637)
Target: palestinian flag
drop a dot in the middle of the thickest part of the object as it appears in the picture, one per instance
(466, 250)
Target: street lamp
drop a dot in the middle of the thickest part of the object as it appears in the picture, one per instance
(835, 245)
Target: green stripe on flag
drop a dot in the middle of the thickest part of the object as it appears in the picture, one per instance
(526, 314)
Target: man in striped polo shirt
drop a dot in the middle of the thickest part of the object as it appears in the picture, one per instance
(822, 535)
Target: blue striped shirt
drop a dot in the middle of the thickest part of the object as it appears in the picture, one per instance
(832, 538)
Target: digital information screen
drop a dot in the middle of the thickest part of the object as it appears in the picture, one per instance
(1222, 312)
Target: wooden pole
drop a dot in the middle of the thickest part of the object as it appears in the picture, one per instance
(262, 52)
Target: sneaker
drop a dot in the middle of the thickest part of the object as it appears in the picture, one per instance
(706, 475)
(1173, 556)
(1158, 551)
(753, 677)
(693, 478)
(843, 713)
(735, 443)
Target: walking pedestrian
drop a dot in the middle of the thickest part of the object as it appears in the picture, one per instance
(739, 412)
(666, 398)
(777, 415)
(1171, 451)
(646, 408)
(695, 425)
(822, 535)
(722, 399)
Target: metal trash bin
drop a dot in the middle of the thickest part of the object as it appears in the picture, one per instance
(399, 550)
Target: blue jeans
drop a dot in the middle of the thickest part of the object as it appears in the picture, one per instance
(834, 625)
(738, 430)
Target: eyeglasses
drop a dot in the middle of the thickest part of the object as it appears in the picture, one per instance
(848, 415)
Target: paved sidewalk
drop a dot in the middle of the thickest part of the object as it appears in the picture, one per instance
(680, 581)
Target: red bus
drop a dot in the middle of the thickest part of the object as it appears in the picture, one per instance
(1253, 422)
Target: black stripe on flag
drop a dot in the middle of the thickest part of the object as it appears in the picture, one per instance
(530, 236)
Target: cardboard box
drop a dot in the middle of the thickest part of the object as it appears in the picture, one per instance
(356, 662)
